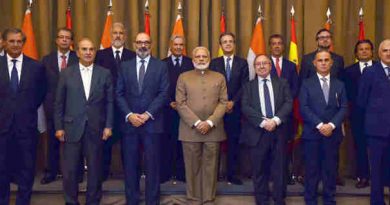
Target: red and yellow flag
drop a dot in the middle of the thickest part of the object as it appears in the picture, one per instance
(106, 37)
(147, 18)
(257, 45)
(69, 17)
(30, 47)
(222, 28)
(362, 35)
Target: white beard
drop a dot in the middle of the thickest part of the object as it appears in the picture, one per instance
(201, 66)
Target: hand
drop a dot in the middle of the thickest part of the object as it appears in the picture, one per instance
(60, 135)
(270, 125)
(107, 133)
(326, 130)
(203, 127)
(173, 105)
(145, 117)
(135, 119)
(229, 106)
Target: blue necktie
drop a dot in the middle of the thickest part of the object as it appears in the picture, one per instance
(388, 72)
(141, 75)
(177, 63)
(267, 100)
(14, 77)
(228, 68)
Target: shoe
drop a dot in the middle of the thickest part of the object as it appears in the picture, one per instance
(340, 181)
(48, 178)
(362, 183)
(290, 181)
(300, 179)
(234, 180)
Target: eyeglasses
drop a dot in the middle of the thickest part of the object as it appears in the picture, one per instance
(323, 37)
(65, 37)
(142, 42)
(264, 63)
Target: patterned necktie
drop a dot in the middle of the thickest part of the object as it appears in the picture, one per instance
(14, 77)
(63, 62)
(141, 75)
(325, 89)
(267, 100)
(117, 57)
(228, 68)
(277, 66)
(177, 62)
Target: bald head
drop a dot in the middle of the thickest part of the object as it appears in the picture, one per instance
(118, 35)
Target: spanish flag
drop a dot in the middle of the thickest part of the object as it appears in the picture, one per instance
(222, 25)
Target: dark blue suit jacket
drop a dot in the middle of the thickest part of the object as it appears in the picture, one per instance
(374, 97)
(153, 97)
(186, 65)
(289, 72)
(251, 110)
(52, 75)
(73, 110)
(314, 109)
(21, 108)
(106, 59)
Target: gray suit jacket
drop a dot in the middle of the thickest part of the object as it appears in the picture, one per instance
(73, 110)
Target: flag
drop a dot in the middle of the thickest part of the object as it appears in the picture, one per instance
(178, 29)
(106, 37)
(68, 17)
(362, 35)
(30, 47)
(328, 25)
(222, 27)
(257, 45)
(147, 18)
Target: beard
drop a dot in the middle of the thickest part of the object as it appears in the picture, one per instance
(201, 66)
(143, 52)
(117, 43)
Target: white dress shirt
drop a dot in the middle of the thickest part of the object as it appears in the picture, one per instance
(280, 61)
(59, 57)
(262, 99)
(173, 57)
(139, 63)
(2, 53)
(19, 61)
(117, 49)
(86, 77)
(363, 66)
(322, 83)
(384, 66)
(230, 63)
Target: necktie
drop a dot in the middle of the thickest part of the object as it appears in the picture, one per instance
(277, 66)
(117, 57)
(325, 89)
(177, 62)
(388, 72)
(365, 65)
(63, 62)
(228, 68)
(141, 75)
(14, 77)
(267, 100)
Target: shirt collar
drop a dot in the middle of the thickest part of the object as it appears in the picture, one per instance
(225, 58)
(82, 67)
(59, 54)
(260, 79)
(173, 57)
(117, 49)
(361, 63)
(19, 58)
(2, 53)
(146, 59)
(384, 65)
(274, 58)
(327, 76)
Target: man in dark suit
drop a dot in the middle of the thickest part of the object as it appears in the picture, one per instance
(171, 149)
(111, 58)
(323, 105)
(236, 72)
(283, 68)
(141, 93)
(374, 97)
(266, 106)
(22, 90)
(364, 53)
(83, 121)
(54, 63)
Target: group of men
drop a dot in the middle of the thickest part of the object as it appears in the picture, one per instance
(187, 107)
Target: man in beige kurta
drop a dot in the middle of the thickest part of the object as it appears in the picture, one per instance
(201, 97)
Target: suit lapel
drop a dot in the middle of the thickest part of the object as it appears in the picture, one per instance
(4, 70)
(149, 70)
(221, 68)
(77, 76)
(72, 58)
(54, 61)
(256, 94)
(25, 72)
(132, 74)
(94, 80)
(275, 88)
(317, 86)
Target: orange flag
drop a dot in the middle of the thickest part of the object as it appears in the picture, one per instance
(106, 37)
(30, 48)
(178, 29)
(222, 24)
(257, 45)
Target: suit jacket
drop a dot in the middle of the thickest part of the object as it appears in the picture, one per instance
(52, 75)
(186, 65)
(374, 96)
(73, 110)
(238, 77)
(106, 59)
(251, 110)
(308, 69)
(153, 97)
(21, 107)
(201, 95)
(289, 72)
(315, 110)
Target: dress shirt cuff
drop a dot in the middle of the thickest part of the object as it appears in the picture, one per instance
(277, 120)
(319, 125)
(210, 123)
(333, 126)
(150, 115)
(197, 123)
(127, 117)
(262, 124)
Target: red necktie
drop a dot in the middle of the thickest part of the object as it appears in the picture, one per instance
(63, 62)
(277, 66)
